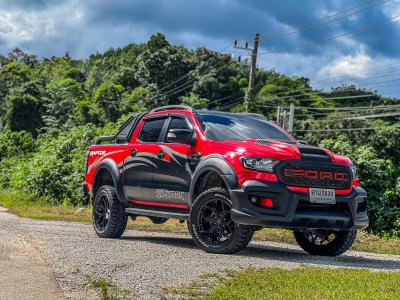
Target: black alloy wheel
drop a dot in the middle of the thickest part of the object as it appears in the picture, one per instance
(214, 222)
(211, 224)
(101, 215)
(109, 217)
(325, 242)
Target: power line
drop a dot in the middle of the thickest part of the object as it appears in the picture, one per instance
(233, 103)
(347, 111)
(346, 129)
(316, 92)
(224, 98)
(316, 22)
(330, 98)
(365, 28)
(298, 29)
(187, 74)
(190, 83)
(380, 115)
(339, 81)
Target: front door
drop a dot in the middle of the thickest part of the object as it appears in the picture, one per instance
(140, 160)
(172, 174)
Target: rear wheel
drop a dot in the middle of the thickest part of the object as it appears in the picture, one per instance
(212, 227)
(109, 217)
(325, 242)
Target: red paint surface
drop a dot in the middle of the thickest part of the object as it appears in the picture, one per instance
(160, 204)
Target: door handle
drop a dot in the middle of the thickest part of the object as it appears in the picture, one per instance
(133, 152)
(160, 154)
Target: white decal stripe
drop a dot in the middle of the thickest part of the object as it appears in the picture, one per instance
(95, 163)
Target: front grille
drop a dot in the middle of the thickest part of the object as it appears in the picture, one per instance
(307, 174)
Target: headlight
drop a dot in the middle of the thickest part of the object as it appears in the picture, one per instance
(258, 163)
(354, 171)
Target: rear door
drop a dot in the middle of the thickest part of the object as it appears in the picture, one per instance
(172, 174)
(140, 159)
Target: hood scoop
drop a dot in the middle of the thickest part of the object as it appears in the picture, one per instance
(310, 153)
(263, 142)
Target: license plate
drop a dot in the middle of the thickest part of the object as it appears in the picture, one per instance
(326, 196)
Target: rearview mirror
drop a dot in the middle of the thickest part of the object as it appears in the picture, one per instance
(181, 136)
(302, 142)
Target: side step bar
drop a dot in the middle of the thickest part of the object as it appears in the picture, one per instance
(149, 212)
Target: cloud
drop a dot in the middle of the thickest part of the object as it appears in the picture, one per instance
(348, 65)
(47, 28)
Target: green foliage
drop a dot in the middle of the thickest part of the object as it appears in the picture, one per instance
(54, 170)
(16, 143)
(379, 176)
(194, 101)
(108, 95)
(23, 113)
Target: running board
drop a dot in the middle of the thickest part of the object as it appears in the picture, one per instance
(149, 212)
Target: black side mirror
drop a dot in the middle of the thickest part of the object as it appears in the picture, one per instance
(303, 142)
(181, 136)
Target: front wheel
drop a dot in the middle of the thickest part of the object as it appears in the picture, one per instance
(325, 242)
(212, 227)
(109, 217)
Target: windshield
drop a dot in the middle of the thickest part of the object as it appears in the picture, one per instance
(221, 127)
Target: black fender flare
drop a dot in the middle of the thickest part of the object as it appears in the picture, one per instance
(111, 167)
(218, 164)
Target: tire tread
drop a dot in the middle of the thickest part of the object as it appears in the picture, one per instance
(245, 232)
(118, 217)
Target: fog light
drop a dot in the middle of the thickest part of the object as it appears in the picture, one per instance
(253, 199)
(266, 202)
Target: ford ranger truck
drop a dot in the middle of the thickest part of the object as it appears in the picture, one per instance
(228, 175)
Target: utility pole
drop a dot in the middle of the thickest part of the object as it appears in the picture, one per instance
(253, 65)
(291, 118)
(108, 108)
(278, 115)
(284, 118)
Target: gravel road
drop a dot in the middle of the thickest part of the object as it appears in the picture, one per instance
(141, 262)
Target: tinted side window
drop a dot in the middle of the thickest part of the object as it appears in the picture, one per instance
(178, 123)
(151, 130)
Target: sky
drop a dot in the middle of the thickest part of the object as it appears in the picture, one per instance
(299, 38)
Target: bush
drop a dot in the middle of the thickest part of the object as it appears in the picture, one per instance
(380, 178)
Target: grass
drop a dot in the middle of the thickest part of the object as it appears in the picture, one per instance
(299, 283)
(108, 289)
(26, 206)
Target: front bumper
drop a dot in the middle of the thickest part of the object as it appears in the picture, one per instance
(293, 210)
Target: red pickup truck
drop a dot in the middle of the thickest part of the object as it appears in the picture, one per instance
(228, 175)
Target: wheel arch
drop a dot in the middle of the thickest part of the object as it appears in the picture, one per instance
(107, 173)
(212, 164)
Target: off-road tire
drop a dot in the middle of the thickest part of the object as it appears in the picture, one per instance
(117, 217)
(241, 235)
(338, 246)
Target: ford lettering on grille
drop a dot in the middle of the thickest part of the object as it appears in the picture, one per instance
(314, 175)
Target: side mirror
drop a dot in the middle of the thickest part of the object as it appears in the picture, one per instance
(181, 136)
(303, 142)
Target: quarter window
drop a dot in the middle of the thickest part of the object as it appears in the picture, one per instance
(178, 123)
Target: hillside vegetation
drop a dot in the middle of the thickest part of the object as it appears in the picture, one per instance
(51, 109)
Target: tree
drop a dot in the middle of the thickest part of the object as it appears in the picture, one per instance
(194, 101)
(109, 96)
(23, 113)
(62, 99)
